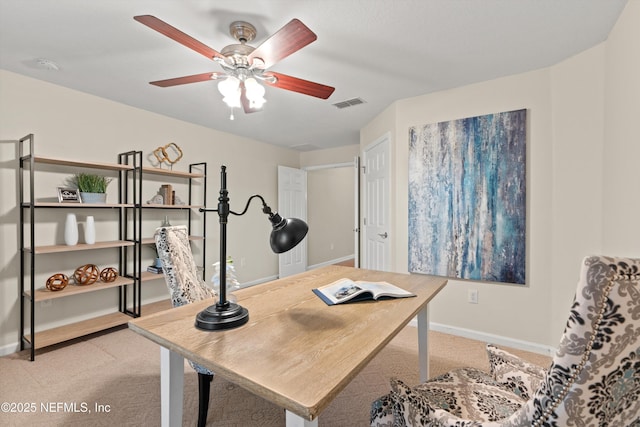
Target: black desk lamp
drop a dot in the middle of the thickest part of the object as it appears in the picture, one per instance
(286, 234)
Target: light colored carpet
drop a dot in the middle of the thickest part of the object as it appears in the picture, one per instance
(113, 379)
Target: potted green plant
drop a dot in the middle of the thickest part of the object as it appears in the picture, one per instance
(93, 188)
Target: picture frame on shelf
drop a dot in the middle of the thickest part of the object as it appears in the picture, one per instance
(69, 195)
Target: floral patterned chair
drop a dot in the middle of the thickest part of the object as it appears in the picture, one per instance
(593, 380)
(185, 287)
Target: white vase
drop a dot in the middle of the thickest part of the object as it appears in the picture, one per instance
(71, 230)
(90, 231)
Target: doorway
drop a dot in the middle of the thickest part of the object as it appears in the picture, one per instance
(333, 201)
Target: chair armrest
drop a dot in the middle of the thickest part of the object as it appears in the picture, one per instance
(516, 374)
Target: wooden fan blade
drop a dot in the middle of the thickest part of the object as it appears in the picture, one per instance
(187, 79)
(299, 85)
(177, 35)
(246, 104)
(287, 40)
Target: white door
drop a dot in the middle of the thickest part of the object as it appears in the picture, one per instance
(356, 211)
(377, 241)
(292, 203)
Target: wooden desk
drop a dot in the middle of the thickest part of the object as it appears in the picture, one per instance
(295, 351)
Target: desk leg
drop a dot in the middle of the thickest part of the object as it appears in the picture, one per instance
(171, 387)
(423, 343)
(293, 420)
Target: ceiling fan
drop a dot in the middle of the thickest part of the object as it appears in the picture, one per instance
(245, 66)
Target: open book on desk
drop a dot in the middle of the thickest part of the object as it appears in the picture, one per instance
(346, 290)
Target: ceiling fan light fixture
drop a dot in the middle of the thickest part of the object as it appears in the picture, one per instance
(230, 90)
(241, 83)
(229, 86)
(255, 93)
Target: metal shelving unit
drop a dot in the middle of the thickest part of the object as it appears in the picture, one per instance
(129, 242)
(30, 250)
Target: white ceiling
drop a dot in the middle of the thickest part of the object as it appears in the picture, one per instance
(377, 50)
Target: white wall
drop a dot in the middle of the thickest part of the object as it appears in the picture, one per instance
(580, 166)
(75, 125)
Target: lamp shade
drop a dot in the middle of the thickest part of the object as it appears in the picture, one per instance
(286, 233)
(230, 90)
(255, 93)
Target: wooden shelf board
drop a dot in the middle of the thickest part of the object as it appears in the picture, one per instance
(146, 276)
(78, 329)
(81, 164)
(79, 205)
(154, 206)
(169, 172)
(45, 294)
(85, 327)
(79, 247)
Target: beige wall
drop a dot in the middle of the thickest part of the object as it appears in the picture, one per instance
(580, 118)
(329, 156)
(330, 204)
(75, 125)
(621, 184)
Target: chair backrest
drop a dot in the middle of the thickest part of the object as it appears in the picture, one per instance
(594, 379)
(180, 271)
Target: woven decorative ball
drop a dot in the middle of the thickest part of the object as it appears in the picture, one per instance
(108, 274)
(57, 282)
(86, 274)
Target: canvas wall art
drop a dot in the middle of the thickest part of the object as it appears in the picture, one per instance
(467, 198)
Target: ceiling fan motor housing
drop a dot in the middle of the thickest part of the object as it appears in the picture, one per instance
(242, 31)
(236, 54)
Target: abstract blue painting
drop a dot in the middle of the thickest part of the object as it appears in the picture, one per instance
(467, 198)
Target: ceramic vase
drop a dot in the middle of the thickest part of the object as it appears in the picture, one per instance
(71, 230)
(90, 231)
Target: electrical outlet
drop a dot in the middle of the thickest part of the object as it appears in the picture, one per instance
(472, 296)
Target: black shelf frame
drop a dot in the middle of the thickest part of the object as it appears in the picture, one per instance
(27, 211)
(130, 220)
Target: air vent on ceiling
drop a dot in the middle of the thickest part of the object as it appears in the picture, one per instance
(349, 103)
(305, 147)
(47, 64)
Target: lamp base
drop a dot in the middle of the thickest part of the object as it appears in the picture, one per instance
(214, 318)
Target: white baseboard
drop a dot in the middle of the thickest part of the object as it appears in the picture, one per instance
(490, 338)
(258, 281)
(333, 261)
(452, 330)
(9, 349)
(310, 267)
